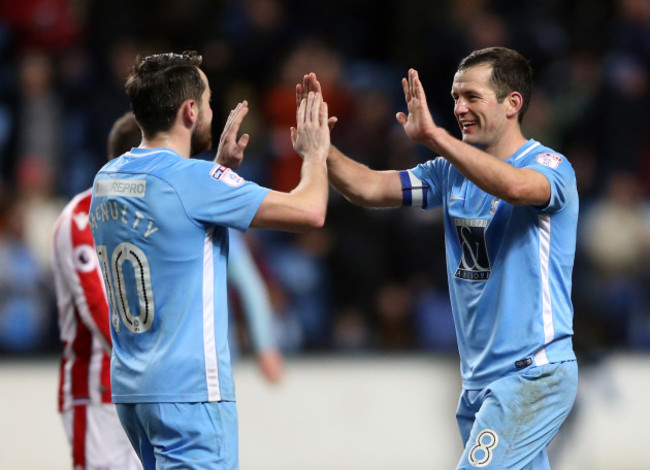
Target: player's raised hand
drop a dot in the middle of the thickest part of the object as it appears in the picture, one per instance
(311, 83)
(230, 152)
(311, 136)
(418, 124)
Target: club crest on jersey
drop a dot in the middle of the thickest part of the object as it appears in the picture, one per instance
(550, 160)
(474, 263)
(494, 204)
(226, 175)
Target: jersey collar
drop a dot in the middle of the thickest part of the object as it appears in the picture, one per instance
(524, 150)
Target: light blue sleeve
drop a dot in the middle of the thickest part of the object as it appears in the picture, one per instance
(560, 174)
(215, 195)
(423, 186)
(249, 284)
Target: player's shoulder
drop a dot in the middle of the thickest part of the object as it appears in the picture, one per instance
(74, 216)
(544, 156)
(437, 164)
(79, 203)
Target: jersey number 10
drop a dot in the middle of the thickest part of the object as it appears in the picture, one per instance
(116, 286)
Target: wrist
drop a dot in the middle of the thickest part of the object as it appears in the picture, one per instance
(435, 140)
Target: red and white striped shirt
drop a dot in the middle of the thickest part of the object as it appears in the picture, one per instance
(83, 311)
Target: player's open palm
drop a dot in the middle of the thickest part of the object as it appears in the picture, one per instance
(311, 136)
(418, 124)
(230, 152)
(311, 83)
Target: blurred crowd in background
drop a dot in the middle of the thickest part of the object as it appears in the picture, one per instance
(371, 280)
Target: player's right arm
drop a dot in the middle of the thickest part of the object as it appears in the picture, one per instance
(362, 185)
(356, 182)
(305, 206)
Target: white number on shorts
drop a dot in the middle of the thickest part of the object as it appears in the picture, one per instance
(481, 453)
(116, 286)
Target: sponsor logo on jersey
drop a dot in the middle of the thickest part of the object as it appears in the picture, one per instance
(226, 175)
(550, 160)
(474, 263)
(124, 188)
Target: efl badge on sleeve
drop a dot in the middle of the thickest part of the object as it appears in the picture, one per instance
(226, 175)
(550, 160)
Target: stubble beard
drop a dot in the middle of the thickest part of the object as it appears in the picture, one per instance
(201, 138)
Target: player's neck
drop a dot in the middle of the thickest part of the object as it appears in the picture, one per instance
(170, 140)
(509, 143)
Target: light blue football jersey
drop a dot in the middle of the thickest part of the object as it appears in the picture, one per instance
(160, 224)
(509, 267)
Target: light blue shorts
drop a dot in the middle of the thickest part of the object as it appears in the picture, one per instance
(510, 423)
(174, 436)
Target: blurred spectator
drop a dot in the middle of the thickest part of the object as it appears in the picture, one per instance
(50, 25)
(39, 111)
(39, 205)
(298, 262)
(395, 322)
(280, 103)
(615, 234)
(25, 297)
(352, 332)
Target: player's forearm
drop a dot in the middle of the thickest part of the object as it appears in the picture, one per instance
(356, 182)
(312, 193)
(302, 209)
(492, 175)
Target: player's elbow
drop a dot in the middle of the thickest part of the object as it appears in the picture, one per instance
(521, 193)
(314, 219)
(515, 196)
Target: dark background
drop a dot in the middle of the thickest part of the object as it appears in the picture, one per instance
(371, 280)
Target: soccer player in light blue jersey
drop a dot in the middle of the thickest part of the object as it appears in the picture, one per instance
(244, 277)
(510, 212)
(160, 224)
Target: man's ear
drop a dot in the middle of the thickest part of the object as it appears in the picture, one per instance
(514, 101)
(189, 112)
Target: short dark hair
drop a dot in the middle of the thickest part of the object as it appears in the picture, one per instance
(157, 86)
(124, 135)
(510, 72)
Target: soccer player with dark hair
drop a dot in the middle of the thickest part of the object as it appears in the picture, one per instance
(510, 209)
(160, 223)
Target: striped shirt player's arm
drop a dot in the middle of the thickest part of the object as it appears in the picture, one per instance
(79, 271)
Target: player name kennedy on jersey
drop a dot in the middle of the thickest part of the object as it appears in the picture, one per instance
(111, 210)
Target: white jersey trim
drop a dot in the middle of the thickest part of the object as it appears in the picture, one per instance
(527, 151)
(547, 308)
(209, 342)
(139, 155)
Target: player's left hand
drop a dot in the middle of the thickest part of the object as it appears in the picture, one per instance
(418, 124)
(311, 136)
(230, 152)
(271, 364)
(311, 83)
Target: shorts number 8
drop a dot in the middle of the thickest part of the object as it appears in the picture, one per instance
(481, 453)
